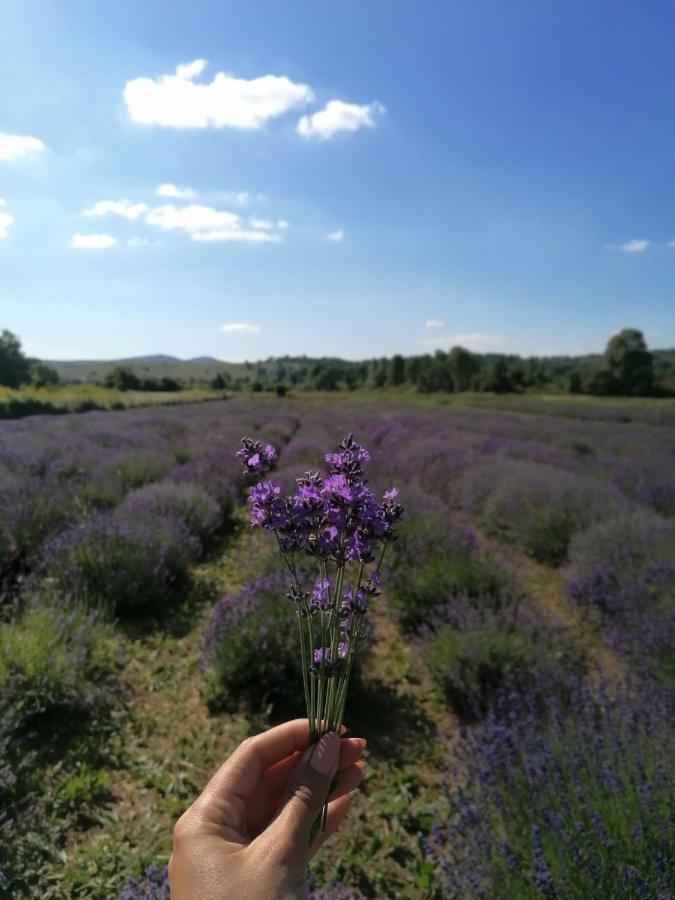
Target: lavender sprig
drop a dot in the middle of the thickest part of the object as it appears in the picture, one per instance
(336, 521)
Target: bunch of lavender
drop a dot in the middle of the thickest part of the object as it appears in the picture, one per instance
(337, 523)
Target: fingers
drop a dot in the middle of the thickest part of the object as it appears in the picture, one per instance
(275, 778)
(347, 781)
(306, 793)
(337, 811)
(239, 776)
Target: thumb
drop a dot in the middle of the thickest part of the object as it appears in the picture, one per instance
(307, 791)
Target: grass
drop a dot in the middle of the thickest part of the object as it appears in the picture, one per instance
(26, 401)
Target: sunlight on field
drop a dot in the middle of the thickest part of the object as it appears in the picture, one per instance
(18, 402)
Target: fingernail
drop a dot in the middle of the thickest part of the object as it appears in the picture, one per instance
(325, 757)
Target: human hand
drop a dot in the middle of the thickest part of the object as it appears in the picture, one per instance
(247, 836)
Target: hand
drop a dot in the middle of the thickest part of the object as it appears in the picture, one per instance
(247, 836)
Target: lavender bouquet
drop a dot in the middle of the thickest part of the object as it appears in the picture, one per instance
(337, 524)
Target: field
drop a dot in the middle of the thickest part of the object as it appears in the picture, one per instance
(516, 698)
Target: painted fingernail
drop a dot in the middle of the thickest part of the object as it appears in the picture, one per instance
(325, 757)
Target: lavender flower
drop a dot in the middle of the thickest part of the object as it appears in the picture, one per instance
(337, 523)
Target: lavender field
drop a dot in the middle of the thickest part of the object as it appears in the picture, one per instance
(517, 694)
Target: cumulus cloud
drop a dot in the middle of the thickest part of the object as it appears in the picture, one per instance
(178, 101)
(433, 323)
(14, 146)
(239, 328)
(336, 236)
(338, 116)
(478, 341)
(92, 241)
(174, 192)
(123, 208)
(635, 245)
(204, 223)
(6, 220)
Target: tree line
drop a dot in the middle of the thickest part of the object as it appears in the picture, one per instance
(627, 368)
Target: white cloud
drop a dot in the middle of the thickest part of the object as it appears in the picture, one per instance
(238, 234)
(191, 218)
(239, 328)
(433, 323)
(283, 224)
(339, 116)
(123, 208)
(671, 243)
(177, 101)
(14, 146)
(6, 220)
(635, 245)
(261, 224)
(92, 241)
(478, 341)
(335, 236)
(203, 223)
(174, 192)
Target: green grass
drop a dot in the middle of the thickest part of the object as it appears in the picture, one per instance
(26, 401)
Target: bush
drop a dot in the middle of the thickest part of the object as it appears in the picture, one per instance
(51, 664)
(251, 650)
(119, 564)
(433, 563)
(470, 666)
(188, 503)
(624, 571)
(575, 805)
(540, 507)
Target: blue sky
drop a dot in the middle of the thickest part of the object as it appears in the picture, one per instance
(353, 178)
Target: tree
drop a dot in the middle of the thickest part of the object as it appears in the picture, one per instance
(463, 366)
(630, 362)
(14, 367)
(220, 382)
(397, 370)
(44, 376)
(122, 378)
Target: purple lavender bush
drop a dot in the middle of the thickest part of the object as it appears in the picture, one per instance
(187, 502)
(118, 563)
(336, 523)
(434, 561)
(249, 648)
(577, 805)
(623, 571)
(539, 507)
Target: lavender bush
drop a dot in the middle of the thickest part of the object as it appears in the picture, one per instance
(187, 502)
(538, 506)
(249, 648)
(118, 563)
(575, 806)
(337, 523)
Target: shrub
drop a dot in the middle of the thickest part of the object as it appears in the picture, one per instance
(470, 666)
(119, 564)
(624, 571)
(432, 563)
(51, 662)
(250, 648)
(539, 507)
(575, 805)
(188, 503)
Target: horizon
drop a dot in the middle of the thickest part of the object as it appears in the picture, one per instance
(251, 182)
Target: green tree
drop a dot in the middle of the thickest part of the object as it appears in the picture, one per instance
(123, 379)
(44, 376)
(630, 362)
(463, 366)
(397, 370)
(14, 367)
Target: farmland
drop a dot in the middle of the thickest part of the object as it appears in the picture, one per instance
(516, 699)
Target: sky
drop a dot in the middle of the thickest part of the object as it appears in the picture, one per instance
(253, 179)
